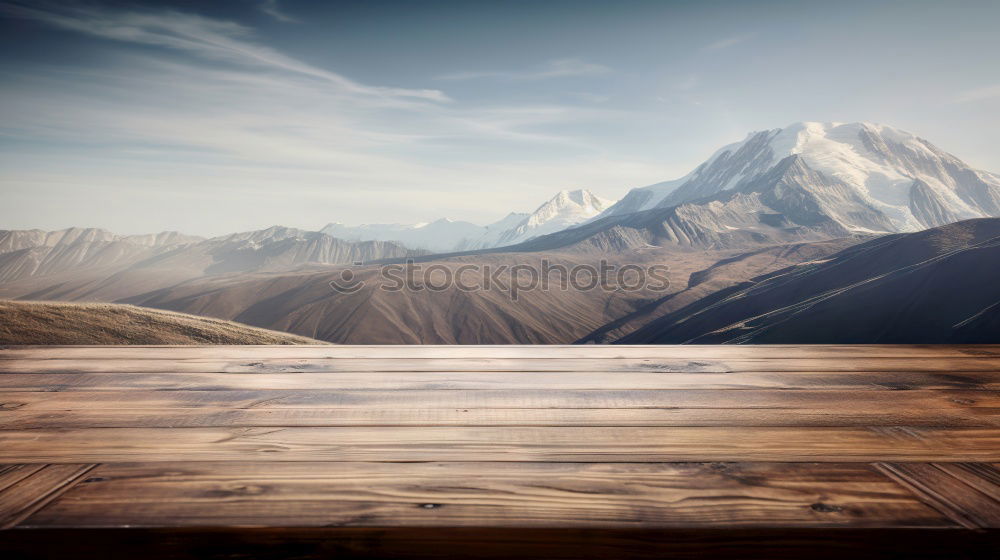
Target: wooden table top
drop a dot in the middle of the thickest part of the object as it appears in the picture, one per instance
(500, 451)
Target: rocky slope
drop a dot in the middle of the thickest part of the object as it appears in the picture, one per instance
(936, 286)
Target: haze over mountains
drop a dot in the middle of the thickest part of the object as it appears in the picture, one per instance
(96, 265)
(565, 209)
(766, 241)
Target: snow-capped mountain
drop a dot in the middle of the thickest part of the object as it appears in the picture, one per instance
(565, 209)
(863, 176)
(491, 234)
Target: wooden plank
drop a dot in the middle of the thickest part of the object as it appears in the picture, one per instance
(946, 493)
(561, 444)
(484, 408)
(268, 365)
(12, 474)
(31, 493)
(549, 495)
(672, 352)
(104, 381)
(577, 440)
(981, 476)
(979, 402)
(832, 416)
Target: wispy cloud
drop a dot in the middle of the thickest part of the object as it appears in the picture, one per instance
(727, 42)
(209, 38)
(560, 68)
(273, 9)
(978, 94)
(214, 112)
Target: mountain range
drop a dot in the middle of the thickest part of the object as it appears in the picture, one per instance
(565, 209)
(781, 237)
(805, 182)
(96, 265)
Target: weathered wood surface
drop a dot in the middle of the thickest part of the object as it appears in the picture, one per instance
(610, 366)
(546, 443)
(500, 451)
(506, 494)
(476, 380)
(686, 352)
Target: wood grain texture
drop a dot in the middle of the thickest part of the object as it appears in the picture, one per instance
(32, 492)
(988, 401)
(961, 502)
(984, 477)
(606, 365)
(540, 407)
(498, 494)
(560, 444)
(500, 452)
(470, 380)
(685, 352)
(12, 474)
(264, 416)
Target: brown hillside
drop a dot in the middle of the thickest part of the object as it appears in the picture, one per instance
(29, 322)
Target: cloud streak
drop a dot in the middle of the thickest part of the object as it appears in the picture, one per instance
(727, 42)
(179, 107)
(273, 9)
(560, 68)
(208, 38)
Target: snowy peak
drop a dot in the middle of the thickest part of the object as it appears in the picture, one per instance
(905, 180)
(565, 209)
(569, 206)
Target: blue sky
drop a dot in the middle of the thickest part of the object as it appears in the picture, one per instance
(210, 117)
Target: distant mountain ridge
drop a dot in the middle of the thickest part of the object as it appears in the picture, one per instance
(565, 209)
(29, 253)
(94, 264)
